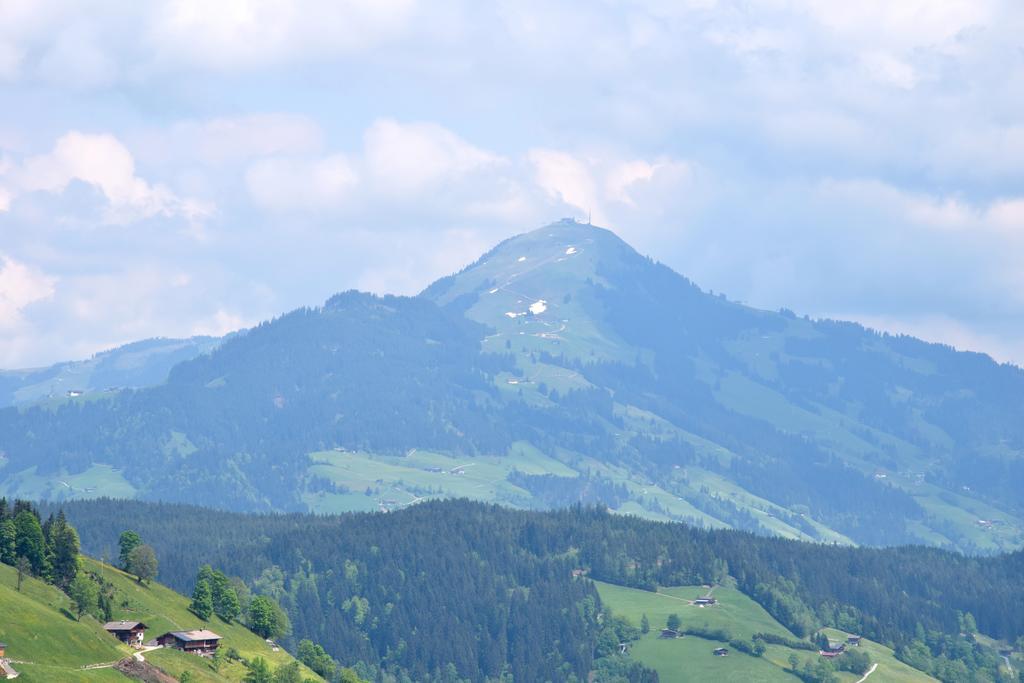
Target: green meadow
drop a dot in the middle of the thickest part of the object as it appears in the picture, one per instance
(691, 659)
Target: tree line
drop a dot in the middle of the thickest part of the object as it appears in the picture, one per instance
(474, 585)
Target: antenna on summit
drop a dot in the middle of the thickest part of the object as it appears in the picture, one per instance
(588, 217)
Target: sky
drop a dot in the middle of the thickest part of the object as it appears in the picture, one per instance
(182, 167)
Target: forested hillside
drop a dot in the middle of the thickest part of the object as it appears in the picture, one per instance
(482, 588)
(562, 367)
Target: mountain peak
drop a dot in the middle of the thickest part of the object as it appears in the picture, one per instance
(538, 288)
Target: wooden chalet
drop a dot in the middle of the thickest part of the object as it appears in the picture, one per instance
(722, 652)
(201, 642)
(703, 602)
(669, 633)
(128, 632)
(853, 640)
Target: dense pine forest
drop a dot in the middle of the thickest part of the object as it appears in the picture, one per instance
(450, 590)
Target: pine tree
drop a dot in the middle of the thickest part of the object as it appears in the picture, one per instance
(259, 672)
(30, 542)
(128, 541)
(64, 544)
(7, 536)
(645, 624)
(225, 600)
(202, 600)
(84, 593)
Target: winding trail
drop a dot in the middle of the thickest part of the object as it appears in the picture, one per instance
(870, 671)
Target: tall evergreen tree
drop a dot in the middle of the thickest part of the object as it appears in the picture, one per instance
(202, 600)
(64, 550)
(128, 541)
(8, 551)
(30, 542)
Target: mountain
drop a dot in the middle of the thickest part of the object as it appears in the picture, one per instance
(562, 367)
(139, 364)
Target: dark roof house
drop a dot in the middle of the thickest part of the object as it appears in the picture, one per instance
(722, 652)
(201, 642)
(131, 632)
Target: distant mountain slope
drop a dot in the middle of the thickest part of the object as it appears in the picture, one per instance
(139, 364)
(563, 366)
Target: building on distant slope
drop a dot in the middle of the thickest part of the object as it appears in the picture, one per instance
(128, 632)
(702, 602)
(7, 671)
(722, 652)
(669, 633)
(201, 642)
(853, 640)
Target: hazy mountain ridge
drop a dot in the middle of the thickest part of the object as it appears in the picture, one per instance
(564, 352)
(138, 364)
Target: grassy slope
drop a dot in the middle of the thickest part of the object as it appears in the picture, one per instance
(691, 659)
(38, 627)
(162, 610)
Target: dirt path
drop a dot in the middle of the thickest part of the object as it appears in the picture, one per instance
(138, 655)
(870, 671)
(672, 597)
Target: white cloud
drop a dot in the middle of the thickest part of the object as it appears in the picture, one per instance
(947, 213)
(10, 60)
(887, 69)
(76, 59)
(608, 188)
(406, 158)
(905, 24)
(286, 183)
(20, 286)
(236, 34)
(103, 162)
(220, 323)
(568, 179)
(228, 140)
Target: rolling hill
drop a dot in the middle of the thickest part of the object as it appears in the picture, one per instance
(47, 643)
(139, 364)
(562, 367)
